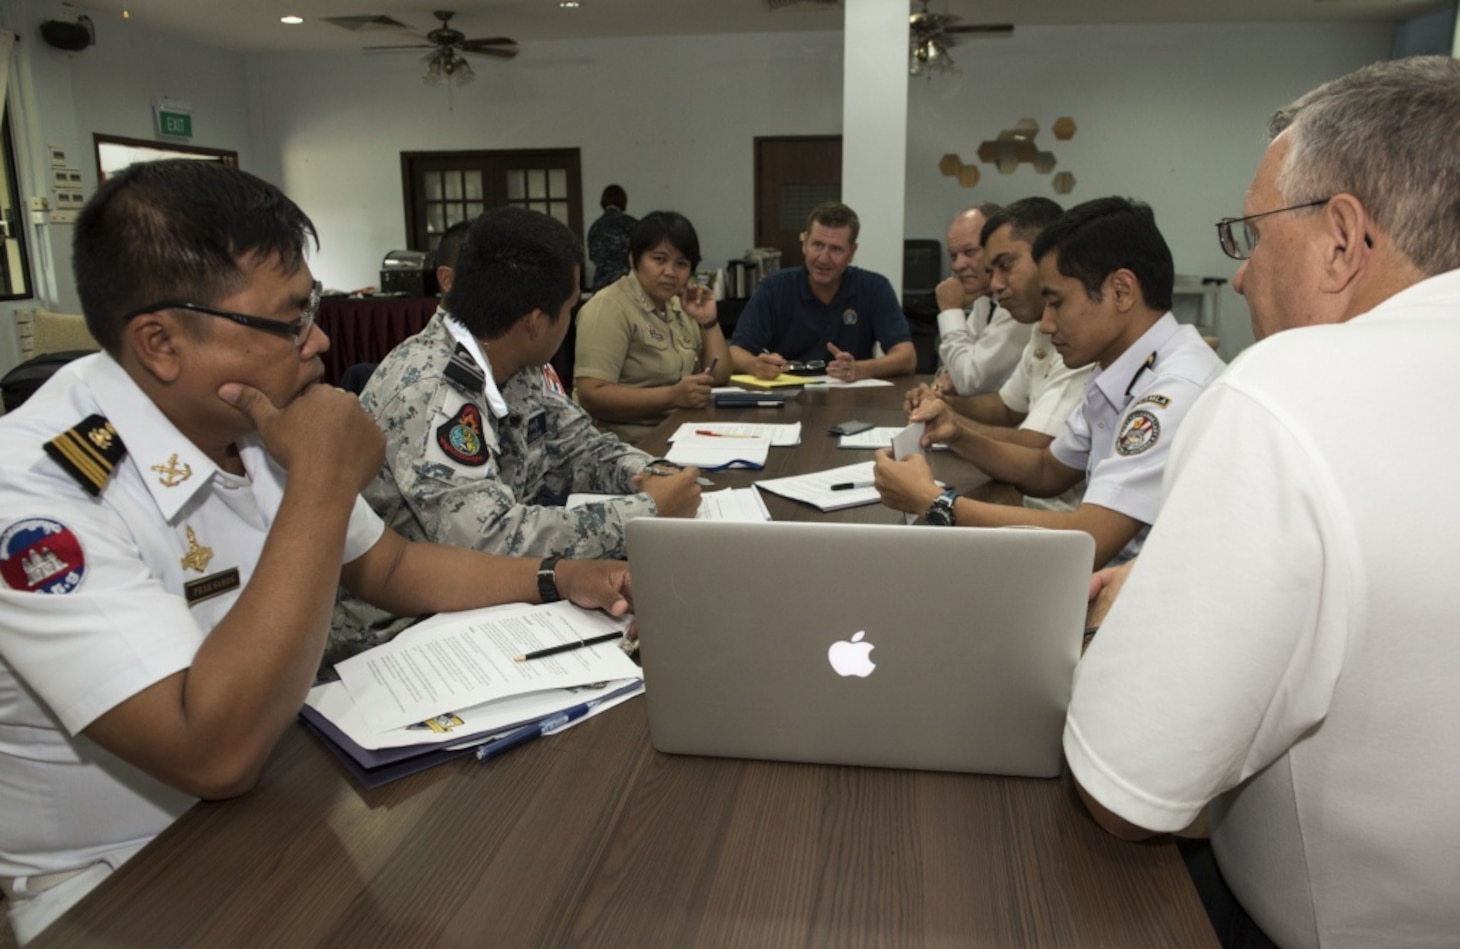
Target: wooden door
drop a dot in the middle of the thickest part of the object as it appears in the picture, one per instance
(442, 188)
(792, 176)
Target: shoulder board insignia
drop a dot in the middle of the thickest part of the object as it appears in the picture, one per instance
(464, 373)
(88, 452)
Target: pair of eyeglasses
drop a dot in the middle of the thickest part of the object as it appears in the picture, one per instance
(298, 329)
(810, 367)
(1239, 239)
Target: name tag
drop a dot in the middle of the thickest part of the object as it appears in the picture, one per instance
(205, 588)
(537, 426)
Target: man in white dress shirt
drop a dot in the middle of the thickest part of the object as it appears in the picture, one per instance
(979, 342)
(1285, 650)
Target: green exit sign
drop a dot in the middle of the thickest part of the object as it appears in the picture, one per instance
(177, 124)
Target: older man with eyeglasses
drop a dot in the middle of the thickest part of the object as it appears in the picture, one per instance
(1285, 648)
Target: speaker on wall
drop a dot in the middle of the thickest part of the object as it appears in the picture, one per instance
(68, 36)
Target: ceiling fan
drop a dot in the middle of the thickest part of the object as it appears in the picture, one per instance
(932, 33)
(446, 44)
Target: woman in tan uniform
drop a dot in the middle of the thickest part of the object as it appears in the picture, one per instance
(650, 342)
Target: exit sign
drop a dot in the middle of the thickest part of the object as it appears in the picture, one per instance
(174, 119)
(175, 123)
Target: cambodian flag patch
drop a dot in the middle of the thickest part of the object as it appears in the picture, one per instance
(40, 555)
(461, 437)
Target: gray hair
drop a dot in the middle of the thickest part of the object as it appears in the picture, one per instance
(1388, 134)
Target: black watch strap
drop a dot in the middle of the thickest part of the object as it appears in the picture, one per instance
(547, 580)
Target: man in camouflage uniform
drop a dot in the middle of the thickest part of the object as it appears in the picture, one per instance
(608, 238)
(480, 450)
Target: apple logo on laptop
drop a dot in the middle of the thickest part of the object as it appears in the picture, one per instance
(852, 657)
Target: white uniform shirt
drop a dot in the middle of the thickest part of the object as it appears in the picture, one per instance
(1042, 387)
(116, 618)
(1122, 434)
(1287, 645)
(981, 348)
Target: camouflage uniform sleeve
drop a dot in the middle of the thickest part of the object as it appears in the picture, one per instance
(489, 500)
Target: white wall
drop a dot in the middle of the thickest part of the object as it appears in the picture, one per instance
(1173, 115)
(672, 120)
(60, 98)
(1170, 114)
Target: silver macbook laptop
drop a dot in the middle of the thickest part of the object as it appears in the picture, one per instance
(898, 647)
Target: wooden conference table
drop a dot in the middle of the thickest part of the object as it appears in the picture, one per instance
(592, 838)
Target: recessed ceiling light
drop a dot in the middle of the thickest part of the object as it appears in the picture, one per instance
(291, 19)
(568, 4)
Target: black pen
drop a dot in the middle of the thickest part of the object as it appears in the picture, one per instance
(852, 485)
(567, 647)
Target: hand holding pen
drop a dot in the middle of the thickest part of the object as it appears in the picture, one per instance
(769, 365)
(676, 491)
(694, 391)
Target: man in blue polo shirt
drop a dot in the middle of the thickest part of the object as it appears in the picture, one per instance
(826, 311)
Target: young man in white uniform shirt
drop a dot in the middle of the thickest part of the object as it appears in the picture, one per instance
(1285, 648)
(979, 341)
(1031, 407)
(165, 587)
(1106, 275)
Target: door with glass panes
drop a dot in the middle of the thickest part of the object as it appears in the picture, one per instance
(442, 188)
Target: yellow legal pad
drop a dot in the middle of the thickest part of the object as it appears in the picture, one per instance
(784, 379)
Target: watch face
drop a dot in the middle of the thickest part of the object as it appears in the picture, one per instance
(940, 514)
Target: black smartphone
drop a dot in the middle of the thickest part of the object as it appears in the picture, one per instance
(850, 427)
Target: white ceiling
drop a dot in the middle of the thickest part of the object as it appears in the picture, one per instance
(253, 25)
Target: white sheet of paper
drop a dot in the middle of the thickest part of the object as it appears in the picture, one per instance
(816, 488)
(727, 504)
(733, 504)
(879, 437)
(909, 441)
(906, 443)
(780, 435)
(831, 383)
(469, 660)
(709, 451)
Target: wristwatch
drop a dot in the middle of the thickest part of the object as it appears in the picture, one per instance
(940, 512)
(547, 580)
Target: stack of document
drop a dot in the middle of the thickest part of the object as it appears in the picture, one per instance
(713, 452)
(451, 685)
(781, 436)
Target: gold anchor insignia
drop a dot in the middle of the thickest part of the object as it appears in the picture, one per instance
(172, 475)
(102, 436)
(197, 556)
(1039, 353)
